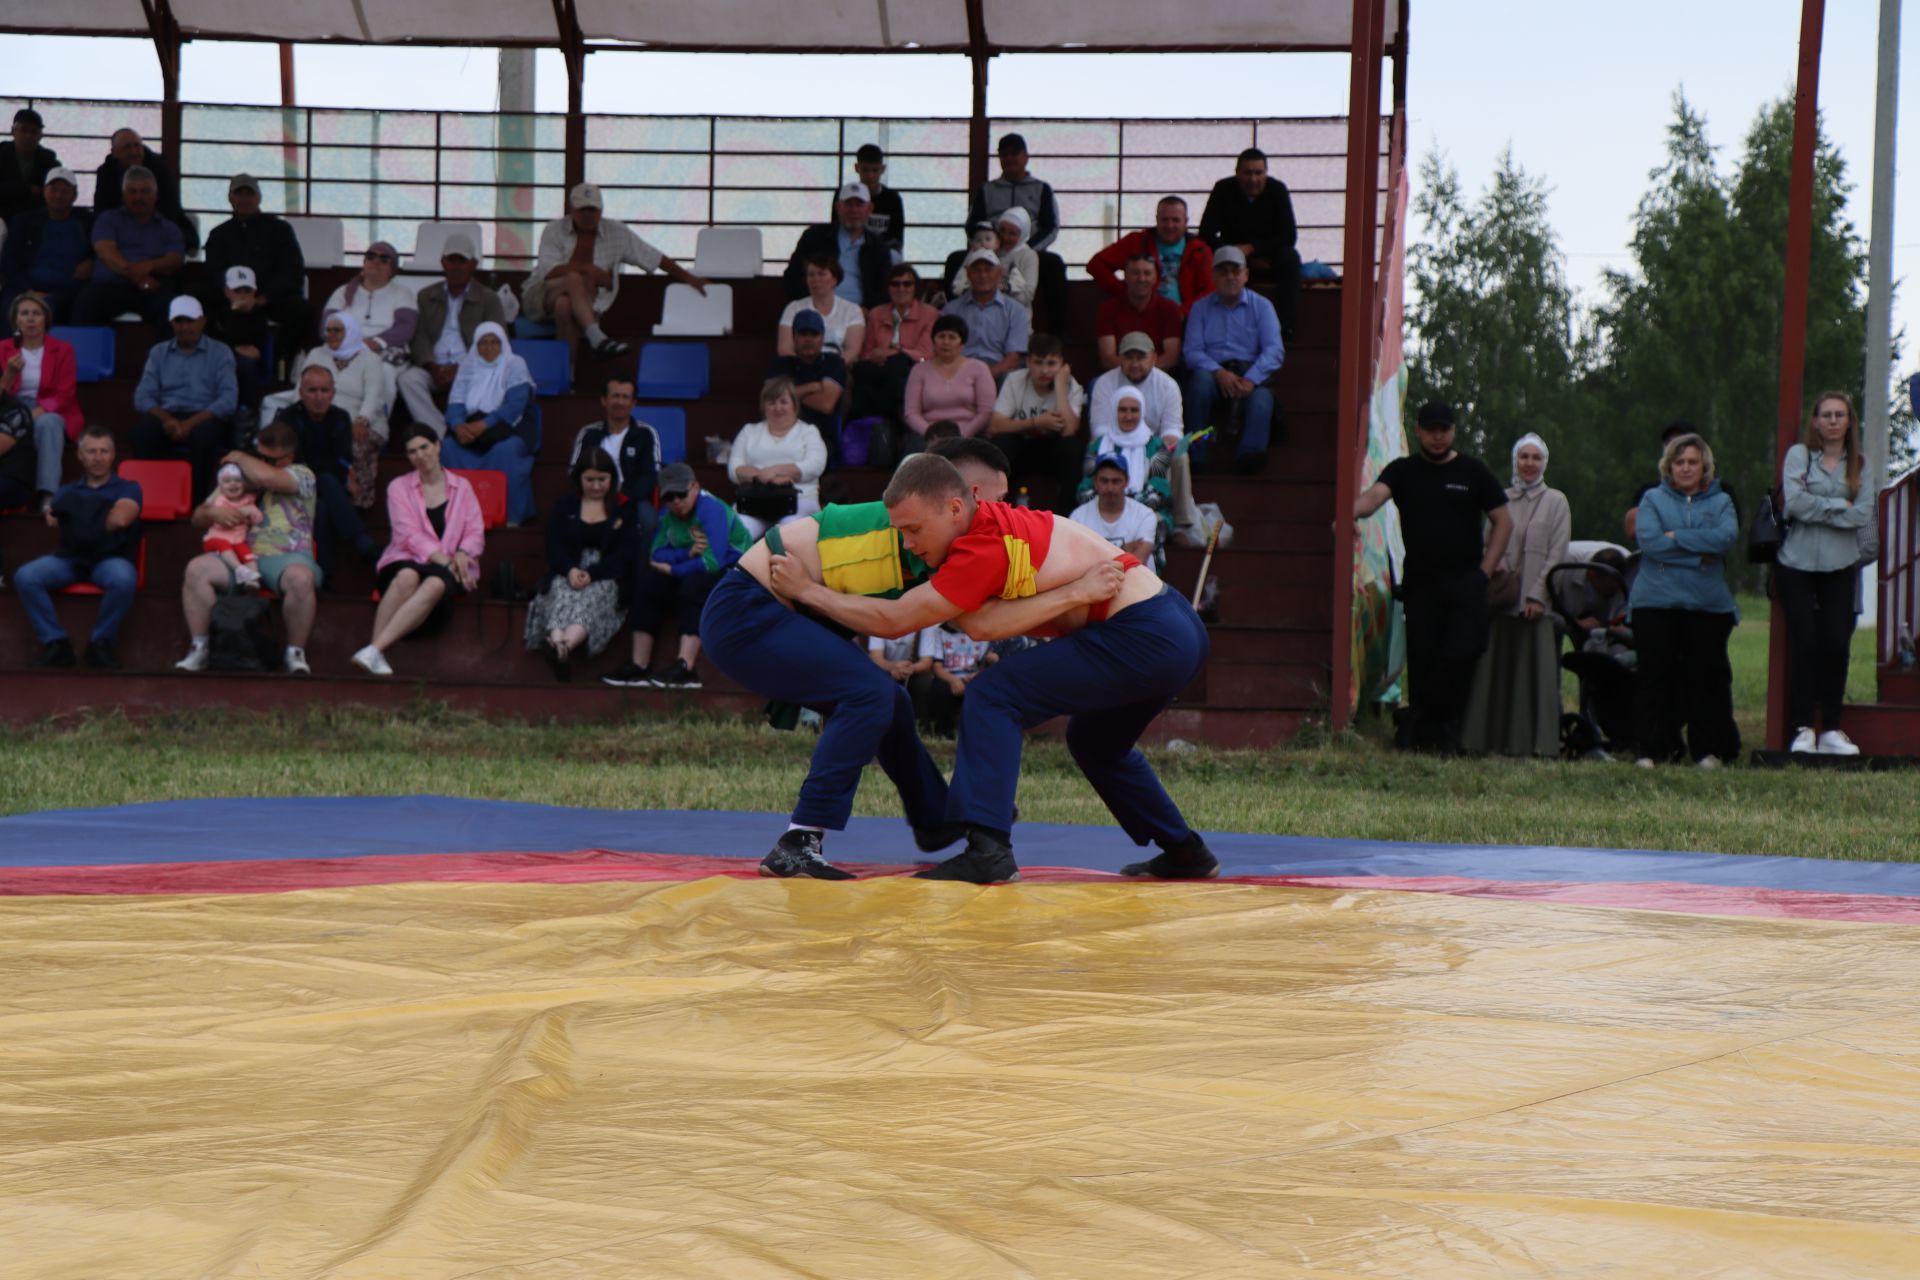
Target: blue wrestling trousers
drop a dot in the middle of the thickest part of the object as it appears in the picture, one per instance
(786, 656)
(1111, 678)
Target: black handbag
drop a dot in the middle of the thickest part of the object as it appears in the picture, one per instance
(766, 501)
(240, 632)
(1767, 532)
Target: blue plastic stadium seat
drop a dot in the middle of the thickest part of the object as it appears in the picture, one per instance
(527, 327)
(92, 349)
(673, 371)
(670, 425)
(550, 363)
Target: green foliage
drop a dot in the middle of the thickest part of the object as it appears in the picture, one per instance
(1691, 331)
(1491, 308)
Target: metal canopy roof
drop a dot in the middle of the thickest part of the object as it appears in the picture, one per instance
(837, 26)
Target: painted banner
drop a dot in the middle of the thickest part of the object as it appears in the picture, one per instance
(1378, 630)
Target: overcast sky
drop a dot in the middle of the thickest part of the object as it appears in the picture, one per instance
(1581, 92)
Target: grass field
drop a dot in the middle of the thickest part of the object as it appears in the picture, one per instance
(1351, 787)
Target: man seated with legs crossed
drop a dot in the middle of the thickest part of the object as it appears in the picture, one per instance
(1124, 651)
(795, 656)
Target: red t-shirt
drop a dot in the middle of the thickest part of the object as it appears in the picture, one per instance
(997, 558)
(1160, 320)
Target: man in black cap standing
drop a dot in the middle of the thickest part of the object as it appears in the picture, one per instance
(24, 166)
(1443, 498)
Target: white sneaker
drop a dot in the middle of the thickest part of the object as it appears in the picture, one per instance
(372, 661)
(196, 659)
(1835, 743)
(1803, 742)
(297, 662)
(1708, 762)
(1644, 762)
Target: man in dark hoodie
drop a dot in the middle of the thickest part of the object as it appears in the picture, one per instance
(126, 150)
(24, 166)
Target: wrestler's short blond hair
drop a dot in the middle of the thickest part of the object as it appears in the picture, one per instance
(925, 475)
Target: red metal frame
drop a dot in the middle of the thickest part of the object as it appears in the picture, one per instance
(1793, 318)
(1356, 340)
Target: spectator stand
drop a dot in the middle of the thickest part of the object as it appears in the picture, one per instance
(672, 178)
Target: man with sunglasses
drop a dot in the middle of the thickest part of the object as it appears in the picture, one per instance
(282, 546)
(268, 247)
(899, 336)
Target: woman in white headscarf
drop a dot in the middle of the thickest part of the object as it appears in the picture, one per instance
(1515, 705)
(492, 422)
(1020, 265)
(359, 389)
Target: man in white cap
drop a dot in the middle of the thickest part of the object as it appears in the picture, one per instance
(997, 326)
(268, 247)
(186, 397)
(450, 310)
(239, 319)
(577, 273)
(865, 258)
(49, 250)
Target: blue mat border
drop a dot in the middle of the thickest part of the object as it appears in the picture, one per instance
(258, 829)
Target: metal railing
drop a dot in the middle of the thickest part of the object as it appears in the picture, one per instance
(384, 172)
(1899, 565)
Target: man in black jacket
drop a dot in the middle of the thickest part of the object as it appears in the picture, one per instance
(888, 217)
(1253, 212)
(848, 241)
(98, 517)
(24, 166)
(125, 151)
(268, 245)
(49, 249)
(325, 447)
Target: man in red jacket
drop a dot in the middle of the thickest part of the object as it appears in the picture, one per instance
(1186, 263)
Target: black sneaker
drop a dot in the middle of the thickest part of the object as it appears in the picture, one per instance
(612, 347)
(101, 657)
(677, 676)
(797, 853)
(628, 675)
(987, 859)
(1189, 861)
(55, 653)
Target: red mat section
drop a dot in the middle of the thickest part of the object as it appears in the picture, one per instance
(596, 865)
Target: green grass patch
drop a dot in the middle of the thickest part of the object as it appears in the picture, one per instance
(1351, 787)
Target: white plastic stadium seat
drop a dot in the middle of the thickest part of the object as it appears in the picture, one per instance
(727, 253)
(323, 239)
(685, 314)
(431, 238)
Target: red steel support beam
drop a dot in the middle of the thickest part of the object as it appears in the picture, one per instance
(1357, 335)
(166, 45)
(573, 51)
(1793, 319)
(978, 53)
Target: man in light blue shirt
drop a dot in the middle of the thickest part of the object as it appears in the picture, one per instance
(997, 326)
(1233, 347)
(187, 395)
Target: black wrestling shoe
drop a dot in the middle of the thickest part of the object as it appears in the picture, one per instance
(1189, 861)
(987, 859)
(935, 838)
(628, 675)
(797, 853)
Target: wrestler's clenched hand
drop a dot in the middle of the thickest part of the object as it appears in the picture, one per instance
(789, 579)
(1103, 581)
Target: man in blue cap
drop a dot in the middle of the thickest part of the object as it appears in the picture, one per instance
(819, 376)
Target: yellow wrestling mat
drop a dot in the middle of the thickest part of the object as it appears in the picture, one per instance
(742, 1078)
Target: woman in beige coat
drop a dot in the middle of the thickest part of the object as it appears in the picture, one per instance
(1515, 706)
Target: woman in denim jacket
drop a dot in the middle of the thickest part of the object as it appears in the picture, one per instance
(1829, 492)
(1682, 611)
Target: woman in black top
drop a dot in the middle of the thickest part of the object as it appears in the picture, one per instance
(590, 550)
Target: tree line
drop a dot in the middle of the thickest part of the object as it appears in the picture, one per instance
(1691, 331)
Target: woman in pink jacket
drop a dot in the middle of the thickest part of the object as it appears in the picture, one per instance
(434, 555)
(39, 370)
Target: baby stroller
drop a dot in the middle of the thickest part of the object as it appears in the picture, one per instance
(1602, 659)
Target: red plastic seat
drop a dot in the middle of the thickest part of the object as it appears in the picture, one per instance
(490, 487)
(166, 488)
(139, 571)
